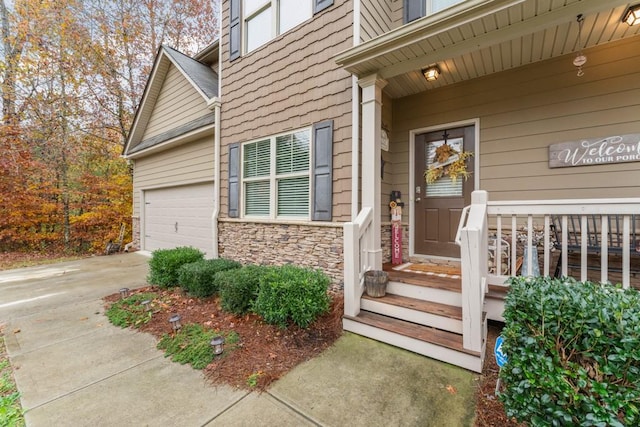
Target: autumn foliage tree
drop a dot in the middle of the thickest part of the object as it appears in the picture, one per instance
(73, 73)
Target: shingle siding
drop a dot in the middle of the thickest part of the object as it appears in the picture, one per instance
(291, 82)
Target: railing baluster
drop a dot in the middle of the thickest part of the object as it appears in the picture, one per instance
(530, 245)
(626, 251)
(547, 258)
(604, 255)
(565, 247)
(498, 255)
(514, 247)
(584, 243)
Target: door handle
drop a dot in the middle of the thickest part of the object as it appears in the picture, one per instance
(418, 199)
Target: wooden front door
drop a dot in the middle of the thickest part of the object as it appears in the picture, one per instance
(438, 205)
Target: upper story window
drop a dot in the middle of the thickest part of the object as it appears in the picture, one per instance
(415, 9)
(265, 20)
(252, 23)
(435, 6)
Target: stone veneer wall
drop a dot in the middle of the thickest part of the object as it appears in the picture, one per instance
(135, 232)
(305, 245)
(386, 242)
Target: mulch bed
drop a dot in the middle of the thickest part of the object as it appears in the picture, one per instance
(266, 352)
(489, 409)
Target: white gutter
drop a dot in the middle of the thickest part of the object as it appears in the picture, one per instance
(214, 104)
(355, 119)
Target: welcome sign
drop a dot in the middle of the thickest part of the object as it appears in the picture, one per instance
(595, 151)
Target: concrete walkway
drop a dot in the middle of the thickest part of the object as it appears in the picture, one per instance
(73, 368)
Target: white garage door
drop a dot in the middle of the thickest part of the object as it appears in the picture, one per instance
(179, 216)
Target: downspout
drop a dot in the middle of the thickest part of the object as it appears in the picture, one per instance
(215, 104)
(355, 120)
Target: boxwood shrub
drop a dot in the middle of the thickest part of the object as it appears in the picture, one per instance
(290, 293)
(165, 264)
(573, 353)
(239, 287)
(199, 278)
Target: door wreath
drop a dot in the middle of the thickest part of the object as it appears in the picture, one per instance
(448, 162)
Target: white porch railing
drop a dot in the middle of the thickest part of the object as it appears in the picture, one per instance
(512, 231)
(358, 258)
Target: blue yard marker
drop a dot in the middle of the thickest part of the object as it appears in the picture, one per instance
(501, 358)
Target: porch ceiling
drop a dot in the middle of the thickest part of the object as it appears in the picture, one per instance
(485, 37)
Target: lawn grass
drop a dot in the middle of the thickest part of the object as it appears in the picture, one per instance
(11, 414)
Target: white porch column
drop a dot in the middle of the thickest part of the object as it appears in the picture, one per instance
(371, 160)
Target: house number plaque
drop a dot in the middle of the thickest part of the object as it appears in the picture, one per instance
(595, 151)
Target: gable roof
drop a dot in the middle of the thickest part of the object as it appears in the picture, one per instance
(203, 79)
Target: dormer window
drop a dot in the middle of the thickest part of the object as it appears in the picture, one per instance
(265, 20)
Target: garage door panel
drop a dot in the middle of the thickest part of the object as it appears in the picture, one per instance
(179, 216)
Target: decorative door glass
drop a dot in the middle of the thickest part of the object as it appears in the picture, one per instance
(443, 186)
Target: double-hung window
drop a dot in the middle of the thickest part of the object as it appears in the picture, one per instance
(266, 19)
(276, 176)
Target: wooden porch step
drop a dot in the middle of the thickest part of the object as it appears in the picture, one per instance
(430, 281)
(428, 341)
(423, 312)
(444, 310)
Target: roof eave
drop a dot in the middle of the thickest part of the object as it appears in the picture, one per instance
(420, 29)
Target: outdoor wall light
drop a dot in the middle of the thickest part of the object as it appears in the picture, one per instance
(146, 304)
(217, 344)
(124, 293)
(175, 322)
(431, 73)
(632, 15)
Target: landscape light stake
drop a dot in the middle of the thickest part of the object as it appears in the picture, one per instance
(217, 344)
(146, 304)
(124, 293)
(175, 322)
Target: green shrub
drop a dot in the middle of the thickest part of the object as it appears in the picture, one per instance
(292, 293)
(573, 353)
(192, 345)
(239, 287)
(129, 311)
(199, 278)
(165, 264)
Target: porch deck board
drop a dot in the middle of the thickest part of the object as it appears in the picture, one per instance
(418, 279)
(420, 305)
(424, 333)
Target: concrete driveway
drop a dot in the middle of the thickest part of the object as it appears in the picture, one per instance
(73, 368)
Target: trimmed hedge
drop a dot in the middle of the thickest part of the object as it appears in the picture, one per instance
(165, 264)
(199, 278)
(239, 287)
(573, 353)
(290, 293)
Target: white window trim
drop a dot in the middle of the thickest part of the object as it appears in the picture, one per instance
(275, 16)
(273, 178)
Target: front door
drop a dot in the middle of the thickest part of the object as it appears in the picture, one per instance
(439, 203)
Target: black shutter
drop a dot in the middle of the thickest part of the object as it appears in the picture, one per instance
(322, 171)
(234, 181)
(235, 25)
(414, 9)
(320, 5)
